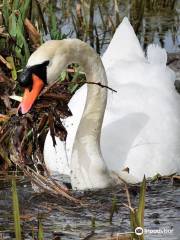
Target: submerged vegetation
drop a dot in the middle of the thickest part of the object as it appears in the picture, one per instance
(25, 25)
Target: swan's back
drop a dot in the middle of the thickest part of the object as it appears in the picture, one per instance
(143, 118)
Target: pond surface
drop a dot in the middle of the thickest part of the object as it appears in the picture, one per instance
(153, 21)
(70, 221)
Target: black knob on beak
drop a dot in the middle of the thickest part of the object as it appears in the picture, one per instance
(25, 79)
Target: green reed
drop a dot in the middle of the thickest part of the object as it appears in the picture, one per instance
(16, 212)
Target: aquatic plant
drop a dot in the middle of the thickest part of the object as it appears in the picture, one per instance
(14, 17)
(40, 229)
(55, 32)
(16, 212)
(114, 209)
(137, 215)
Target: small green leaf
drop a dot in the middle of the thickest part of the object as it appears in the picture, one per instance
(12, 25)
(74, 86)
(21, 42)
(63, 75)
(6, 12)
(24, 9)
(13, 71)
(15, 5)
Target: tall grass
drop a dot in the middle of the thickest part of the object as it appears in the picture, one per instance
(81, 17)
(137, 215)
(16, 216)
(14, 17)
(16, 212)
(114, 209)
(54, 30)
(40, 229)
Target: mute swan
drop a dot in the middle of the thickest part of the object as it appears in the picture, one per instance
(141, 126)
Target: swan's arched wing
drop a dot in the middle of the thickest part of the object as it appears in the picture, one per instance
(123, 46)
(156, 55)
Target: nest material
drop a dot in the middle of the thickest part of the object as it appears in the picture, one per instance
(6, 88)
(22, 137)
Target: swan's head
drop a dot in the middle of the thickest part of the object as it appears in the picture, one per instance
(43, 67)
(32, 79)
(48, 61)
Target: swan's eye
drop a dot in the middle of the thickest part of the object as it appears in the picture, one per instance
(25, 79)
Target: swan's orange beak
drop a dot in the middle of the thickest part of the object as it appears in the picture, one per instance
(29, 97)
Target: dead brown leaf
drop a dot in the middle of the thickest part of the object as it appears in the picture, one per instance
(34, 35)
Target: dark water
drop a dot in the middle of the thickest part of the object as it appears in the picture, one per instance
(75, 222)
(162, 213)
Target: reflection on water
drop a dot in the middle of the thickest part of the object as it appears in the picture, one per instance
(153, 21)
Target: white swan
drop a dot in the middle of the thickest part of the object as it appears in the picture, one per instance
(141, 127)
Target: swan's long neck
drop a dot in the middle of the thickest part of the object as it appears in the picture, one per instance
(87, 164)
